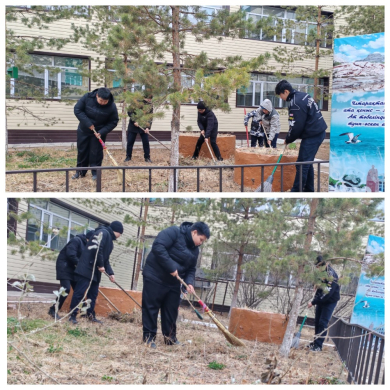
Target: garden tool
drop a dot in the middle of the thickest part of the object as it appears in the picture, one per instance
(297, 336)
(207, 143)
(246, 128)
(156, 139)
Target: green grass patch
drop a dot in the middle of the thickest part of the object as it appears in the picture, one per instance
(53, 349)
(12, 325)
(23, 153)
(31, 324)
(216, 366)
(36, 158)
(107, 378)
(77, 332)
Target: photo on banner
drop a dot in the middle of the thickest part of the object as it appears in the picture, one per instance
(369, 307)
(357, 148)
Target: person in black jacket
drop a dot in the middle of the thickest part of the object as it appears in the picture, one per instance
(133, 129)
(95, 110)
(208, 125)
(66, 263)
(306, 122)
(325, 303)
(85, 270)
(174, 252)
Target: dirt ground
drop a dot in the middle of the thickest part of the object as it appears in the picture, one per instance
(113, 353)
(138, 180)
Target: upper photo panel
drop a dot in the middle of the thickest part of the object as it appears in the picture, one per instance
(195, 99)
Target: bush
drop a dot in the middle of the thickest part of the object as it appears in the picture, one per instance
(216, 366)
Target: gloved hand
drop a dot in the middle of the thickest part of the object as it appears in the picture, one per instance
(245, 123)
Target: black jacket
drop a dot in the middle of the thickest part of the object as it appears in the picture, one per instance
(304, 117)
(173, 249)
(68, 257)
(208, 122)
(333, 289)
(89, 112)
(87, 258)
(134, 129)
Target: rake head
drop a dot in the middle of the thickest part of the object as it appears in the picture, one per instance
(267, 185)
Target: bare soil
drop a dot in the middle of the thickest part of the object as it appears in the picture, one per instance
(137, 180)
(113, 353)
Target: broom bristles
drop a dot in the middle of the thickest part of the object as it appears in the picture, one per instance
(267, 185)
(229, 337)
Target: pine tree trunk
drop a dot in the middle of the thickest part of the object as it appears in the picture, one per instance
(141, 246)
(124, 127)
(284, 349)
(175, 124)
(238, 279)
(6, 133)
(317, 58)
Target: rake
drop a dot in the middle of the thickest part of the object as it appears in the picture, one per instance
(212, 156)
(119, 171)
(229, 337)
(246, 128)
(155, 138)
(267, 185)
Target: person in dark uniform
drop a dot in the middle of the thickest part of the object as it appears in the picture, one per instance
(174, 252)
(66, 263)
(305, 122)
(132, 131)
(208, 125)
(85, 268)
(95, 110)
(325, 303)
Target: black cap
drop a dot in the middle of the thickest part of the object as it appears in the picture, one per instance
(319, 261)
(117, 226)
(90, 234)
(201, 106)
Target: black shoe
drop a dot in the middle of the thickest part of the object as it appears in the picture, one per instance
(127, 159)
(310, 345)
(151, 344)
(73, 320)
(315, 348)
(194, 157)
(148, 160)
(169, 341)
(92, 318)
(220, 159)
(52, 312)
(77, 175)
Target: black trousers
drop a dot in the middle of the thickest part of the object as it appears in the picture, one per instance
(66, 284)
(321, 321)
(213, 142)
(157, 297)
(89, 151)
(255, 140)
(130, 143)
(78, 294)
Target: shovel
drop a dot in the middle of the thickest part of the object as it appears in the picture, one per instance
(297, 336)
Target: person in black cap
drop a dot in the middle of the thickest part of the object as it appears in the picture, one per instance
(66, 263)
(325, 303)
(174, 252)
(97, 111)
(86, 271)
(208, 125)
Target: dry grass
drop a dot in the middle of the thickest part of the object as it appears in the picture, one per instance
(42, 158)
(113, 353)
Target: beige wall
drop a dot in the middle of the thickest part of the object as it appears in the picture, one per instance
(230, 122)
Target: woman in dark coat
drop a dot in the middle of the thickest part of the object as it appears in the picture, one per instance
(66, 263)
(85, 268)
(133, 129)
(174, 252)
(95, 110)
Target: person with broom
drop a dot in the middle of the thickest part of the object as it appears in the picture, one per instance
(97, 111)
(85, 270)
(325, 303)
(134, 129)
(66, 263)
(306, 122)
(264, 120)
(174, 253)
(208, 125)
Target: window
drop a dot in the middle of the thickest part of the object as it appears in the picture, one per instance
(262, 87)
(52, 77)
(279, 17)
(46, 216)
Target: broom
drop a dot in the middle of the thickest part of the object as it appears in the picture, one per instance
(119, 171)
(229, 337)
(212, 156)
(297, 336)
(268, 183)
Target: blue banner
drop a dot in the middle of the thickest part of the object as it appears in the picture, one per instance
(369, 308)
(357, 148)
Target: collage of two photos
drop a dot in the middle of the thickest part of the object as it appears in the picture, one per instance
(112, 109)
